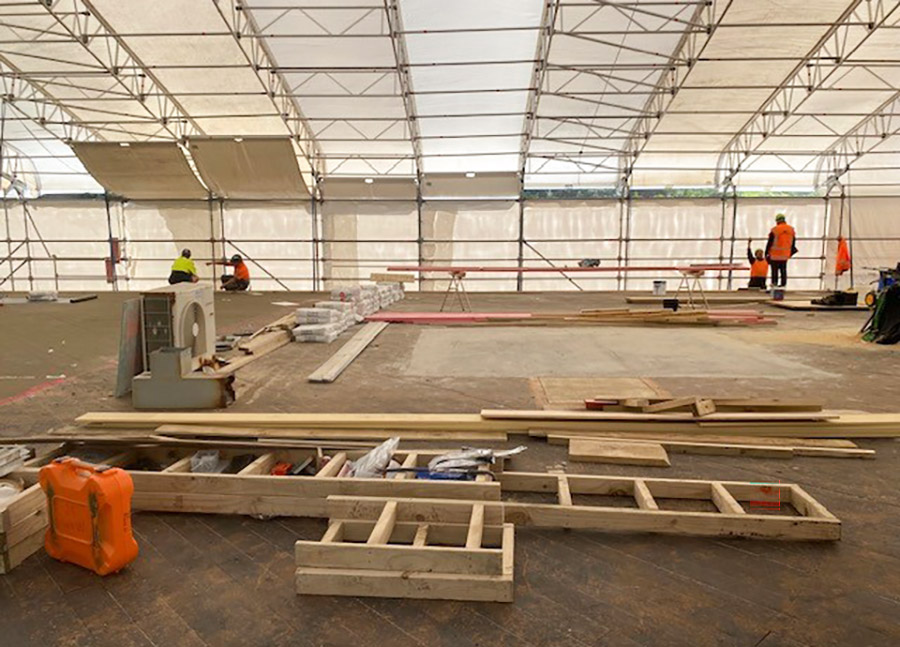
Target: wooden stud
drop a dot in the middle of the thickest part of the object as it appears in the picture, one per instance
(411, 460)
(563, 492)
(476, 527)
(261, 465)
(421, 538)
(645, 500)
(181, 465)
(726, 503)
(381, 533)
(335, 532)
(333, 467)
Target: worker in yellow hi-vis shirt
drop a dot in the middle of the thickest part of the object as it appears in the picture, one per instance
(183, 269)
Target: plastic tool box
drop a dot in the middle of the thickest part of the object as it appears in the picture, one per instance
(89, 515)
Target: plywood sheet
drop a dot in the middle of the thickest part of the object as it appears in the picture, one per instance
(141, 170)
(253, 168)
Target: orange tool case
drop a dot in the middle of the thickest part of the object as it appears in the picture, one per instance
(90, 515)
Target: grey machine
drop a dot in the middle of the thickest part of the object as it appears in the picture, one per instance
(178, 343)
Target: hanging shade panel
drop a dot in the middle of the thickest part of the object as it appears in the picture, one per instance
(141, 170)
(249, 169)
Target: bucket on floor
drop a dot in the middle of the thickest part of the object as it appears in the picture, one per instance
(659, 288)
(778, 294)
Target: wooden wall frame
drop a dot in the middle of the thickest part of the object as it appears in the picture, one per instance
(459, 552)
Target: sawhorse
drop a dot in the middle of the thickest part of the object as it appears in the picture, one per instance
(690, 281)
(456, 285)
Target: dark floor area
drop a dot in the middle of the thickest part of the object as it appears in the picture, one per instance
(216, 580)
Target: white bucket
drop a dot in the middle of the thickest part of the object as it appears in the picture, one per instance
(659, 288)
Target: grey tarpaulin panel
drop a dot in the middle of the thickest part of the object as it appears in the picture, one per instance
(258, 167)
(141, 170)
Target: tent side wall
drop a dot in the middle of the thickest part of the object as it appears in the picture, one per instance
(299, 245)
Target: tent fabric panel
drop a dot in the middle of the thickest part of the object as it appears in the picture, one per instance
(142, 170)
(250, 168)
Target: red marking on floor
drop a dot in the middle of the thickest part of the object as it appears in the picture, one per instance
(33, 391)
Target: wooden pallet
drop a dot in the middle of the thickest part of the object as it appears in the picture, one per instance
(23, 520)
(393, 550)
(252, 491)
(740, 509)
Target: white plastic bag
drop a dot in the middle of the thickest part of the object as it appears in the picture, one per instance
(373, 464)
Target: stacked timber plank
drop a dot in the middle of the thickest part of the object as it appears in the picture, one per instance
(23, 520)
(823, 424)
(616, 317)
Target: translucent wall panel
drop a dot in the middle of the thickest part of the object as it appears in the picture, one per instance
(73, 232)
(672, 232)
(566, 232)
(364, 237)
(876, 238)
(275, 239)
(756, 217)
(155, 234)
(471, 233)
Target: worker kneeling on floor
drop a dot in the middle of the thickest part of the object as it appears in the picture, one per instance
(240, 280)
(183, 269)
(759, 267)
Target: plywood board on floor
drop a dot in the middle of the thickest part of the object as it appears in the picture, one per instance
(617, 452)
(571, 392)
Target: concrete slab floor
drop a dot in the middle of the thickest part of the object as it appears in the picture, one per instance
(219, 580)
(612, 351)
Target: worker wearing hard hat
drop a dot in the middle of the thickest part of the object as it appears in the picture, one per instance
(183, 269)
(779, 249)
(759, 267)
(240, 280)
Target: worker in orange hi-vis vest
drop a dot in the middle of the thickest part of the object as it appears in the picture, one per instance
(779, 249)
(759, 267)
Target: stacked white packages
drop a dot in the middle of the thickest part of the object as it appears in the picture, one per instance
(317, 315)
(321, 333)
(324, 322)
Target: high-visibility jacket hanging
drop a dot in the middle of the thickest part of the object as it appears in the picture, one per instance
(782, 242)
(842, 262)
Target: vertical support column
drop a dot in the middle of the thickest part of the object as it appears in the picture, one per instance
(734, 213)
(318, 248)
(113, 260)
(721, 242)
(420, 237)
(620, 243)
(22, 202)
(9, 247)
(627, 241)
(826, 223)
(212, 237)
(521, 257)
(314, 220)
(850, 223)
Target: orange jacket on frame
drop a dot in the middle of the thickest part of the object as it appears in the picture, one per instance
(842, 262)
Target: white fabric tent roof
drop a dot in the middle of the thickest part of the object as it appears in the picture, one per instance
(766, 94)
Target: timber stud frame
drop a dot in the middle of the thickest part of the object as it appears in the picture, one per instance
(396, 548)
